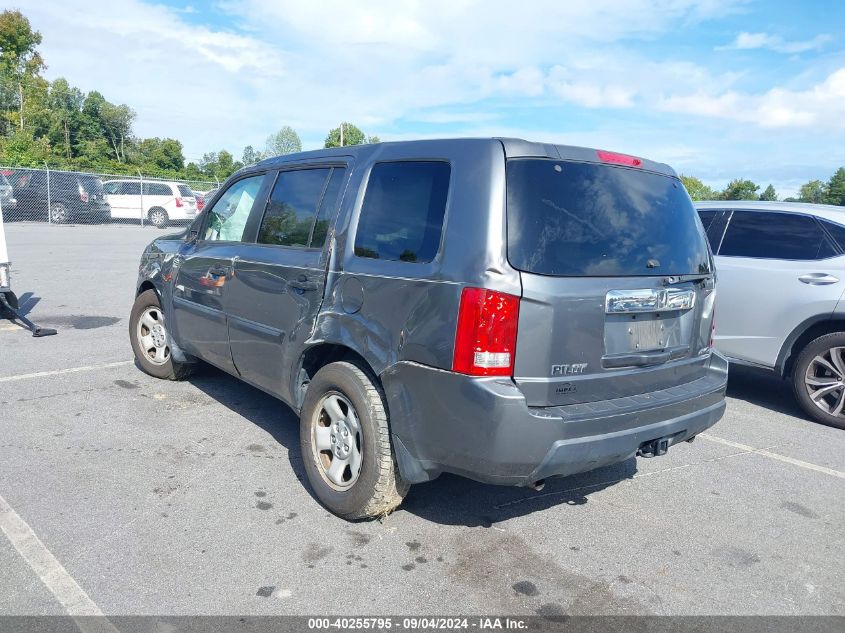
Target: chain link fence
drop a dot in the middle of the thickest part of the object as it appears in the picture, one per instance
(70, 197)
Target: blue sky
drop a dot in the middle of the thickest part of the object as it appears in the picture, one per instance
(717, 88)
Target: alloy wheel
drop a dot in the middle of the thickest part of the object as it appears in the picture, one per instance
(825, 381)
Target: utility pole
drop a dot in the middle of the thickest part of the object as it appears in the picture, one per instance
(341, 133)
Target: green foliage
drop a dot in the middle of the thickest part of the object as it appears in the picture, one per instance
(814, 191)
(740, 190)
(835, 193)
(250, 156)
(769, 194)
(352, 135)
(285, 141)
(696, 189)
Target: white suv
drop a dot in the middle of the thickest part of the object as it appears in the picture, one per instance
(781, 269)
(159, 203)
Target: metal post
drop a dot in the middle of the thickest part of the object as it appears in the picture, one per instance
(49, 212)
(141, 178)
(341, 133)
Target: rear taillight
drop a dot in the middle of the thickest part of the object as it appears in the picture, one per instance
(178, 202)
(485, 340)
(83, 195)
(619, 159)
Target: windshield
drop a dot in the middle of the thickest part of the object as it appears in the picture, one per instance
(593, 220)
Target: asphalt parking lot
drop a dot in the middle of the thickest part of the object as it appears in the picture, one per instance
(153, 497)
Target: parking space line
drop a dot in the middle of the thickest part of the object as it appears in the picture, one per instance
(50, 571)
(771, 455)
(71, 370)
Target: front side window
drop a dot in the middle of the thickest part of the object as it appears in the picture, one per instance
(768, 235)
(227, 218)
(292, 207)
(403, 210)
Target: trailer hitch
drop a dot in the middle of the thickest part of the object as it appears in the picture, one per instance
(9, 309)
(654, 448)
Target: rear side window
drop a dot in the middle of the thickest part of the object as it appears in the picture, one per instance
(292, 207)
(592, 220)
(768, 235)
(157, 189)
(328, 206)
(402, 214)
(836, 231)
(129, 188)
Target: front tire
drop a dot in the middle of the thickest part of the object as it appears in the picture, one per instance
(818, 379)
(151, 340)
(345, 443)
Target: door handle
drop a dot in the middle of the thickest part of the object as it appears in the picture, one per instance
(818, 279)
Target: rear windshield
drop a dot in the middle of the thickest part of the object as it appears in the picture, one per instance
(91, 184)
(186, 192)
(589, 220)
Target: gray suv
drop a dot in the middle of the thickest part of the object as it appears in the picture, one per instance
(504, 310)
(781, 280)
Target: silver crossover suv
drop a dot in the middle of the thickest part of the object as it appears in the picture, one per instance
(781, 269)
(504, 310)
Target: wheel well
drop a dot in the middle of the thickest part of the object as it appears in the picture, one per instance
(317, 357)
(146, 285)
(811, 333)
(157, 208)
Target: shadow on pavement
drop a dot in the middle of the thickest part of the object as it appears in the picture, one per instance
(449, 500)
(763, 388)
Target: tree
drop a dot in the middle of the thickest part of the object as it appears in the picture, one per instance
(814, 191)
(373, 139)
(160, 154)
(836, 188)
(19, 61)
(345, 134)
(769, 194)
(740, 190)
(250, 156)
(696, 189)
(285, 141)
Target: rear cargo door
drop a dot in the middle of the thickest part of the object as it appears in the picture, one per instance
(617, 281)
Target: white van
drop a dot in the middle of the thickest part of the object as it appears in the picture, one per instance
(161, 202)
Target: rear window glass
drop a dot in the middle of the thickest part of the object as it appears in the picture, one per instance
(588, 220)
(402, 214)
(185, 190)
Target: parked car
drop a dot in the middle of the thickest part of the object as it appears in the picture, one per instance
(8, 202)
(781, 270)
(73, 196)
(376, 291)
(159, 203)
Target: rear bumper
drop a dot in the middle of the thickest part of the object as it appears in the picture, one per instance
(481, 427)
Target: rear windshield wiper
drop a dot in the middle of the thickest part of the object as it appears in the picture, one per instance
(680, 279)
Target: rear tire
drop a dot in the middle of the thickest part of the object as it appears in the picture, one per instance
(818, 379)
(59, 213)
(158, 217)
(344, 423)
(12, 299)
(151, 341)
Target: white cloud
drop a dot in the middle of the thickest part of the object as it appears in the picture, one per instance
(750, 41)
(821, 105)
